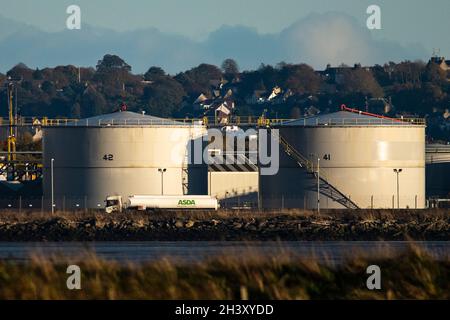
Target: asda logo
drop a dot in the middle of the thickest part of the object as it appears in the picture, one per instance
(186, 202)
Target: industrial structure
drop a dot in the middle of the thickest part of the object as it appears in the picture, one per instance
(233, 171)
(438, 174)
(348, 159)
(122, 153)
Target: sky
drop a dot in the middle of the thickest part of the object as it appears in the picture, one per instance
(411, 27)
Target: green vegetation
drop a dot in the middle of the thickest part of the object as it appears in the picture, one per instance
(407, 88)
(412, 275)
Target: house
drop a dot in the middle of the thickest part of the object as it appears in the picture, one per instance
(275, 92)
(223, 111)
(202, 103)
(335, 75)
(220, 109)
(443, 64)
(311, 111)
(228, 94)
(257, 97)
(201, 98)
(287, 94)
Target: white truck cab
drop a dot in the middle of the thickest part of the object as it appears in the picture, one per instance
(113, 204)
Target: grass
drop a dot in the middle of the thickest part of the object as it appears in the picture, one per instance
(411, 275)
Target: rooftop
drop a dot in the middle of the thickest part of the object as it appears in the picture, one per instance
(347, 118)
(124, 118)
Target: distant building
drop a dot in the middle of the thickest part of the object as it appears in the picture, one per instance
(257, 97)
(335, 75)
(223, 112)
(441, 62)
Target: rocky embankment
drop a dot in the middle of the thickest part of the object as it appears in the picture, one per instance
(227, 225)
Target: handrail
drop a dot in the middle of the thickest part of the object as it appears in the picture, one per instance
(211, 121)
(345, 108)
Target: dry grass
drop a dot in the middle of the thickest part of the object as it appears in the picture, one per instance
(412, 275)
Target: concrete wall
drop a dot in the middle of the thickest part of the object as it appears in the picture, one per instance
(232, 184)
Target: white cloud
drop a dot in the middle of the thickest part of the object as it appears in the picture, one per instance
(337, 38)
(317, 40)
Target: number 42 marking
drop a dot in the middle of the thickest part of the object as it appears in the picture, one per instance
(108, 157)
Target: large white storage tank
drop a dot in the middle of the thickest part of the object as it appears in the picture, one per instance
(122, 153)
(358, 154)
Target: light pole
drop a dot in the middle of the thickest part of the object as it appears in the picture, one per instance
(318, 185)
(52, 185)
(210, 182)
(162, 170)
(397, 171)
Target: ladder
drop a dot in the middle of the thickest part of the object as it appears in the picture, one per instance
(326, 188)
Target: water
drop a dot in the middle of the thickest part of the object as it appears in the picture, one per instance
(333, 252)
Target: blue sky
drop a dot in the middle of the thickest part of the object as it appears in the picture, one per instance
(414, 25)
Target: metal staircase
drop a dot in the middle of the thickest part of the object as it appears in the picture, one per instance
(326, 188)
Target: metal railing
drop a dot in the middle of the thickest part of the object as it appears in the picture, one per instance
(305, 122)
(213, 121)
(122, 122)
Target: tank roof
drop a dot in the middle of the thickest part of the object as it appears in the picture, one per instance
(345, 118)
(127, 118)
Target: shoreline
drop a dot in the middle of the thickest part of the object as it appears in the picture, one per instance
(226, 225)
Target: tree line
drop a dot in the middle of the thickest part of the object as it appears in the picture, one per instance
(412, 88)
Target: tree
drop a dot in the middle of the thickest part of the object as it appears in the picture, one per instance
(37, 74)
(198, 80)
(64, 75)
(75, 111)
(295, 113)
(164, 97)
(92, 102)
(154, 74)
(20, 71)
(114, 75)
(111, 61)
(434, 74)
(406, 72)
(269, 75)
(359, 80)
(300, 79)
(230, 69)
(49, 88)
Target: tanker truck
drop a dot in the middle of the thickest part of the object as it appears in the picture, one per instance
(149, 202)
